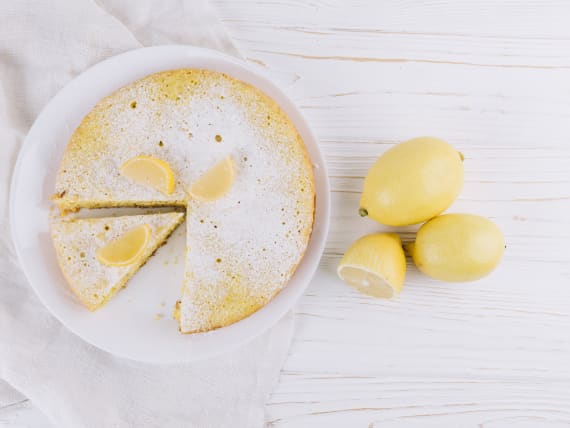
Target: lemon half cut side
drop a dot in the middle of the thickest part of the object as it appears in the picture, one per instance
(375, 265)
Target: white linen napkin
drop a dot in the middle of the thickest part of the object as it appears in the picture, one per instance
(43, 44)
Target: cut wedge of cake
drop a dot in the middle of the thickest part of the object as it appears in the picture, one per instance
(99, 255)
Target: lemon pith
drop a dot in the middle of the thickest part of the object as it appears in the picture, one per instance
(412, 182)
(151, 172)
(126, 249)
(215, 182)
(375, 265)
(457, 247)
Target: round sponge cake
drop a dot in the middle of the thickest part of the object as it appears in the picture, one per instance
(242, 248)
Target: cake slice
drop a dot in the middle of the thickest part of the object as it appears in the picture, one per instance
(99, 255)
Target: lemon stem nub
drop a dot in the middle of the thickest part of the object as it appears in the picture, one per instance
(363, 212)
(461, 156)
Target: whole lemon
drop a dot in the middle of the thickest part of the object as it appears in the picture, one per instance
(412, 182)
(457, 247)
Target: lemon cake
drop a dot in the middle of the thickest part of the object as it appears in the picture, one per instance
(223, 149)
(99, 255)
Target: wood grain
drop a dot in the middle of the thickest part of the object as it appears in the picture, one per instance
(493, 78)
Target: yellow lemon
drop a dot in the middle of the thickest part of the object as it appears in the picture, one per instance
(125, 249)
(457, 247)
(412, 182)
(215, 182)
(151, 172)
(375, 265)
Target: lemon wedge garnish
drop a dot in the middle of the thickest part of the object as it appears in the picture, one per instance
(151, 172)
(375, 265)
(125, 249)
(215, 182)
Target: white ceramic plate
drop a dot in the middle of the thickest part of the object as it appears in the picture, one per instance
(127, 326)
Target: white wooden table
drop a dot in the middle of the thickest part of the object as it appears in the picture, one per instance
(493, 78)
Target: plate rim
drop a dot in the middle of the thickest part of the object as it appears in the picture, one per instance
(322, 206)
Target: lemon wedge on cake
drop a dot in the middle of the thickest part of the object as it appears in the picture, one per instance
(151, 172)
(126, 249)
(214, 183)
(375, 265)
(99, 255)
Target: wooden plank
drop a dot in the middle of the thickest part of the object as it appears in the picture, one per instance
(491, 78)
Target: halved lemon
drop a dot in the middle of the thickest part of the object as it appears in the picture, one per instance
(152, 172)
(125, 249)
(215, 182)
(375, 265)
